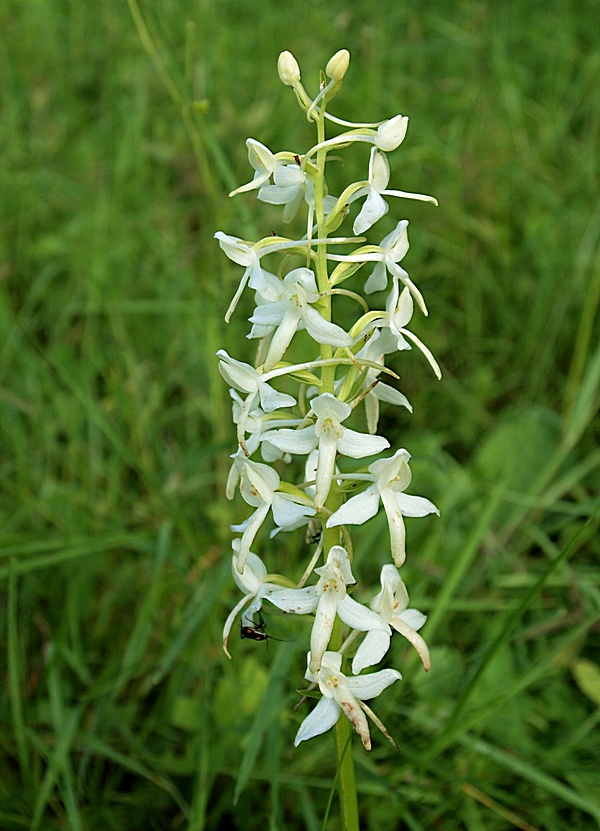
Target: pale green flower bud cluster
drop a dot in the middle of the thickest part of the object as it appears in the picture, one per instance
(285, 409)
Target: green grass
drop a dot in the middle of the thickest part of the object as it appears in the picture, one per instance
(118, 708)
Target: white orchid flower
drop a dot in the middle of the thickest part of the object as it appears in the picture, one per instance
(392, 605)
(253, 582)
(386, 255)
(387, 136)
(259, 488)
(328, 598)
(257, 424)
(331, 437)
(249, 256)
(380, 344)
(245, 378)
(293, 185)
(265, 164)
(341, 693)
(389, 479)
(399, 311)
(375, 206)
(290, 310)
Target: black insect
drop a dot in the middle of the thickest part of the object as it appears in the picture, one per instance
(256, 632)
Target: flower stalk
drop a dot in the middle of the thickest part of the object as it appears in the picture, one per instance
(315, 411)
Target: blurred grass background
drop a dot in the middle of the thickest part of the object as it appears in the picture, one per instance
(118, 709)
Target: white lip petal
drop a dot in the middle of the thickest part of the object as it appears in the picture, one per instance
(374, 207)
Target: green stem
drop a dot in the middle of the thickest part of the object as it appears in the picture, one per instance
(331, 536)
(322, 272)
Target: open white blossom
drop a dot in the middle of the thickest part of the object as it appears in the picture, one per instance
(389, 479)
(331, 437)
(265, 164)
(290, 310)
(392, 604)
(257, 425)
(249, 256)
(399, 311)
(255, 384)
(375, 206)
(387, 136)
(254, 584)
(342, 693)
(259, 487)
(380, 344)
(330, 598)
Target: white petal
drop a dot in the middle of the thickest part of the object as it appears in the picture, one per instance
(268, 314)
(287, 512)
(282, 338)
(296, 601)
(323, 331)
(371, 685)
(274, 195)
(415, 505)
(358, 445)
(236, 249)
(378, 280)
(322, 627)
(360, 617)
(229, 622)
(374, 207)
(301, 442)
(271, 399)
(289, 175)
(374, 646)
(322, 719)
(239, 375)
(396, 526)
(325, 469)
(353, 712)
(254, 574)
(415, 640)
(391, 134)
(391, 396)
(357, 509)
(403, 312)
(252, 527)
(413, 618)
(379, 170)
(434, 364)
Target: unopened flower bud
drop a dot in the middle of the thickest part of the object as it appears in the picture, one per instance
(288, 69)
(338, 65)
